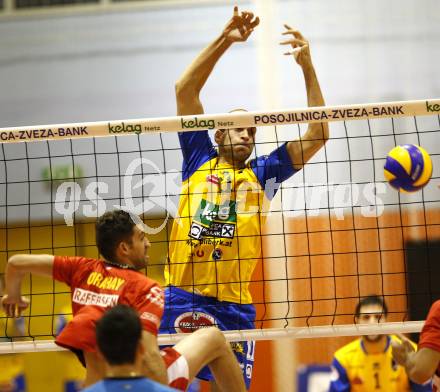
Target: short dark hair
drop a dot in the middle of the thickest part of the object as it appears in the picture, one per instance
(371, 300)
(112, 228)
(118, 334)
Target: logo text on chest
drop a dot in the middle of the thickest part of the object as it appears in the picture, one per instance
(109, 282)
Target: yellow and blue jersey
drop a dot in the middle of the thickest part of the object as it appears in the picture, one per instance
(355, 370)
(215, 241)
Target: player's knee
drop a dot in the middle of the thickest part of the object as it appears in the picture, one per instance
(214, 337)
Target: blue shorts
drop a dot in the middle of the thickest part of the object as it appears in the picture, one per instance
(186, 312)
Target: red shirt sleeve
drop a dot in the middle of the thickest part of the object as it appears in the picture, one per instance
(150, 303)
(430, 335)
(64, 268)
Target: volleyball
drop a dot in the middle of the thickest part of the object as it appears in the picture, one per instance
(408, 168)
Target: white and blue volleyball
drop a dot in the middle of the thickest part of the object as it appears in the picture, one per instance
(408, 168)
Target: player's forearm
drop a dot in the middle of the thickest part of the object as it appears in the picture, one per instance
(318, 133)
(19, 265)
(415, 369)
(193, 79)
(314, 94)
(154, 368)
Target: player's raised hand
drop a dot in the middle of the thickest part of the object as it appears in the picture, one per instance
(14, 307)
(300, 46)
(240, 26)
(401, 350)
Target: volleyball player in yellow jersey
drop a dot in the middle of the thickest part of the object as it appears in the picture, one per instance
(366, 364)
(215, 241)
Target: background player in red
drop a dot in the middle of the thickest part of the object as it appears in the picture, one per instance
(97, 285)
(424, 363)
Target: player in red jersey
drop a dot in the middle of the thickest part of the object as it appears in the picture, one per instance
(424, 363)
(97, 285)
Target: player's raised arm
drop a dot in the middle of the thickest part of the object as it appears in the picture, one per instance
(189, 85)
(317, 134)
(19, 265)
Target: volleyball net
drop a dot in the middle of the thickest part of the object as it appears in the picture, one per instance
(335, 232)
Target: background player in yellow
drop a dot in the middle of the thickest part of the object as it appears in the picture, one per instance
(366, 364)
(215, 241)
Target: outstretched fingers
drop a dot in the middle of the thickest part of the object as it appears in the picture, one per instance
(237, 20)
(294, 42)
(299, 44)
(294, 32)
(11, 310)
(255, 22)
(247, 16)
(241, 25)
(249, 20)
(294, 52)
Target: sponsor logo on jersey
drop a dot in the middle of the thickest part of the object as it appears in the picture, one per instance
(249, 371)
(104, 283)
(212, 178)
(86, 297)
(219, 230)
(191, 321)
(237, 347)
(150, 317)
(208, 212)
(195, 230)
(209, 241)
(217, 254)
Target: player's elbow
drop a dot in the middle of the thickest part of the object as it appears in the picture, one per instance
(16, 261)
(323, 128)
(317, 133)
(179, 88)
(186, 89)
(183, 89)
(326, 131)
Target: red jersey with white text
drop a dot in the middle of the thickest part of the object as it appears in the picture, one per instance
(96, 286)
(95, 283)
